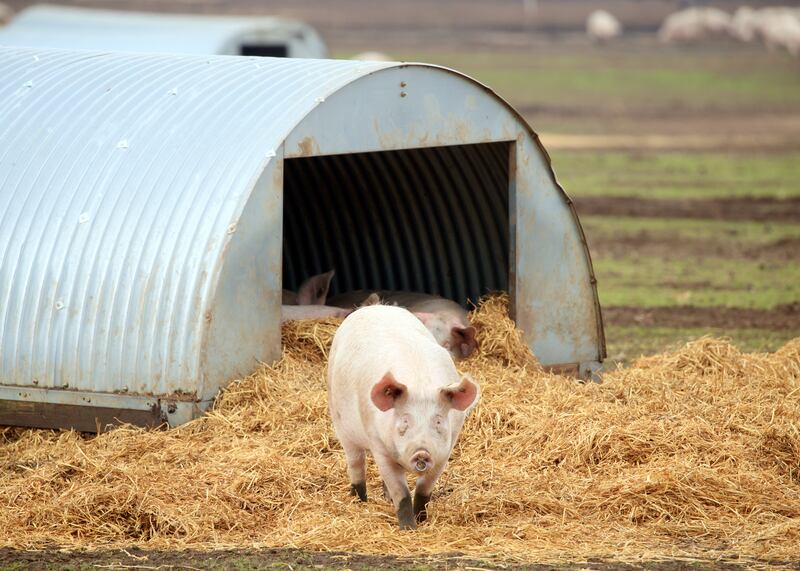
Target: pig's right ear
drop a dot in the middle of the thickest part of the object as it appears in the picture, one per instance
(386, 392)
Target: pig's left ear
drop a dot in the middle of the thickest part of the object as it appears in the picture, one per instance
(462, 395)
(465, 342)
(314, 291)
(386, 392)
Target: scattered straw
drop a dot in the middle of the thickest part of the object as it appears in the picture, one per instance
(694, 453)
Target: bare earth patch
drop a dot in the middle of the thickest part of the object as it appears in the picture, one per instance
(248, 559)
(760, 209)
(781, 318)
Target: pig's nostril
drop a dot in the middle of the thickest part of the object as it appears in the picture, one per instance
(421, 461)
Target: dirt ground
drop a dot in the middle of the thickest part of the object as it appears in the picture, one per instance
(780, 318)
(761, 209)
(292, 559)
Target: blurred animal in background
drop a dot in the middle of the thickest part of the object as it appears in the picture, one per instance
(444, 318)
(693, 24)
(774, 25)
(309, 301)
(602, 26)
(313, 291)
(6, 14)
(372, 56)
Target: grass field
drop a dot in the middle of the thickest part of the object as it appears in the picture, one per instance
(740, 248)
(679, 175)
(633, 78)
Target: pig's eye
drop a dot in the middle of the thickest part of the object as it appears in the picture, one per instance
(438, 424)
(402, 426)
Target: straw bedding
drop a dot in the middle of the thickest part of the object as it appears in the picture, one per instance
(692, 453)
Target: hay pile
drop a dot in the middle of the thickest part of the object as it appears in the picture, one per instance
(693, 453)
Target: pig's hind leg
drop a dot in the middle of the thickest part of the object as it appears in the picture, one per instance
(356, 470)
(394, 481)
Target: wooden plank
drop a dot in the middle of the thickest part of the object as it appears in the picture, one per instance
(81, 418)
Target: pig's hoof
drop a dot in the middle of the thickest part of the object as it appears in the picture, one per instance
(405, 514)
(360, 490)
(420, 502)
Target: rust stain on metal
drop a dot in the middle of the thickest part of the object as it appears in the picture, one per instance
(308, 147)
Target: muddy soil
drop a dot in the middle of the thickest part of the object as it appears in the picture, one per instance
(675, 247)
(298, 559)
(759, 209)
(783, 317)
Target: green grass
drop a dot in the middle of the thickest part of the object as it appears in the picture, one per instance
(626, 343)
(650, 282)
(671, 175)
(675, 277)
(646, 76)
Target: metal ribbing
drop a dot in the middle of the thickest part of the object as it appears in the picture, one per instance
(120, 178)
(432, 219)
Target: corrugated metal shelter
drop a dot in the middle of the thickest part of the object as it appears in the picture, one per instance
(51, 26)
(152, 207)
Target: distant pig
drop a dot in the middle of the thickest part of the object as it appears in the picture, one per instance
(393, 390)
(448, 321)
(313, 291)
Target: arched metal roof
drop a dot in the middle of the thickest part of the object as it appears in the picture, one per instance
(52, 26)
(113, 168)
(142, 195)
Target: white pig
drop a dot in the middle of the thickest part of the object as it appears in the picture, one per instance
(312, 291)
(448, 321)
(393, 390)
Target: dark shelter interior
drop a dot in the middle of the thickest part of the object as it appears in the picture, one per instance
(264, 50)
(432, 220)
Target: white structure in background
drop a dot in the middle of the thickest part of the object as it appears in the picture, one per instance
(49, 26)
(602, 26)
(778, 27)
(694, 24)
(372, 56)
(6, 14)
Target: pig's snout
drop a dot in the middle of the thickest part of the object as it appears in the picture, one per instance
(422, 461)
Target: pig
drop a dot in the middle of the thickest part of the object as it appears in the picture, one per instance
(446, 320)
(313, 291)
(295, 312)
(393, 390)
(602, 26)
(695, 23)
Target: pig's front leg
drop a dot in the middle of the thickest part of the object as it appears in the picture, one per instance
(357, 470)
(422, 492)
(394, 478)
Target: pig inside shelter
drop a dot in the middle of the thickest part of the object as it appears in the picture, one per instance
(433, 220)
